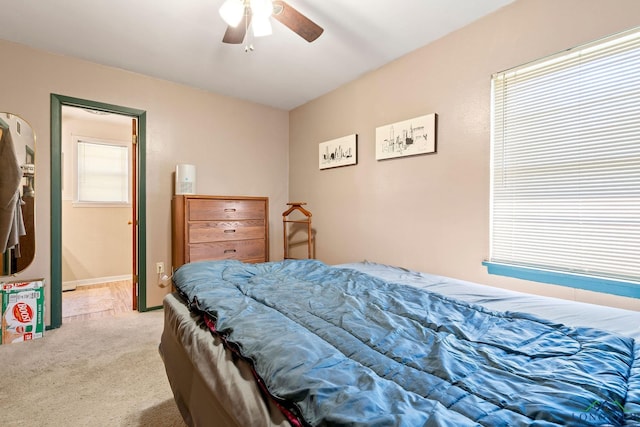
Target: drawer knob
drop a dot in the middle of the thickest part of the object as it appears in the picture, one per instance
(229, 251)
(229, 210)
(229, 231)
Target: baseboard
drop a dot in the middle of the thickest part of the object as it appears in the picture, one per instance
(73, 284)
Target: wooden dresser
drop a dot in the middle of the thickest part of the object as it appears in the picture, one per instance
(219, 227)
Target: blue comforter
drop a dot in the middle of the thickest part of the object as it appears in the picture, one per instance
(345, 348)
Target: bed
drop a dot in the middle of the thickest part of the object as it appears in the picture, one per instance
(300, 343)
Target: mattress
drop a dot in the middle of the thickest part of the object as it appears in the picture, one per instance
(483, 304)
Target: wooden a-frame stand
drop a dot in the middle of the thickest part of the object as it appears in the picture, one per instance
(296, 206)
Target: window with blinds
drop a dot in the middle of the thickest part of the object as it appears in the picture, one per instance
(565, 162)
(102, 173)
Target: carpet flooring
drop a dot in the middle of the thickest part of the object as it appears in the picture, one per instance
(99, 372)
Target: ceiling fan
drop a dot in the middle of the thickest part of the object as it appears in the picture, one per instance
(242, 14)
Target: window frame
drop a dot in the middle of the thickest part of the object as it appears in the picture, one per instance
(76, 141)
(610, 285)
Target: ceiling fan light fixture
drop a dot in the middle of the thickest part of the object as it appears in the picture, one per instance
(261, 8)
(232, 12)
(258, 14)
(261, 26)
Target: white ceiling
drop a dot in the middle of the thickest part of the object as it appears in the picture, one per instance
(180, 40)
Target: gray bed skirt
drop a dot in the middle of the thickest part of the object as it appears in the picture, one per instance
(211, 387)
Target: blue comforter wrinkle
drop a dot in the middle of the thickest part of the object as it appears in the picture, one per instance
(349, 349)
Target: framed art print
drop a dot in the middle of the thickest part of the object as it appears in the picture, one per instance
(338, 152)
(406, 138)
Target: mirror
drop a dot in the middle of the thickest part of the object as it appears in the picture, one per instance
(17, 194)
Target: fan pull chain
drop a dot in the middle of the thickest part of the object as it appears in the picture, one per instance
(249, 46)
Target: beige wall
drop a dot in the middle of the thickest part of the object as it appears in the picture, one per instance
(239, 148)
(431, 213)
(96, 243)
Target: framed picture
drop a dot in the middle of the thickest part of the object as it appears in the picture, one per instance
(406, 138)
(338, 152)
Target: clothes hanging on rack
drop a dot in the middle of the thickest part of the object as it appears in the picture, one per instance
(10, 177)
(17, 229)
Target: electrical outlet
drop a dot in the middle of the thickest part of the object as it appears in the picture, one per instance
(159, 267)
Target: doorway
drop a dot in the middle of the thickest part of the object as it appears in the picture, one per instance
(97, 214)
(138, 198)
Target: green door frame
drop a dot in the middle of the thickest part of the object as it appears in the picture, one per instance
(57, 101)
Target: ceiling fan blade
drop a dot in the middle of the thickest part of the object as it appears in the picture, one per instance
(235, 35)
(296, 21)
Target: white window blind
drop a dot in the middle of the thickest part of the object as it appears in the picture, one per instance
(103, 173)
(566, 162)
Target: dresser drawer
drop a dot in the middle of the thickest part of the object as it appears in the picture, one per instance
(212, 231)
(211, 209)
(245, 250)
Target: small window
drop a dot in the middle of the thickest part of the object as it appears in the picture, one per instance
(102, 173)
(565, 165)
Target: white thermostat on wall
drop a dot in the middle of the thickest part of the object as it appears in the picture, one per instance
(185, 179)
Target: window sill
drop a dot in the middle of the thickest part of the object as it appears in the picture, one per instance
(100, 205)
(589, 283)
